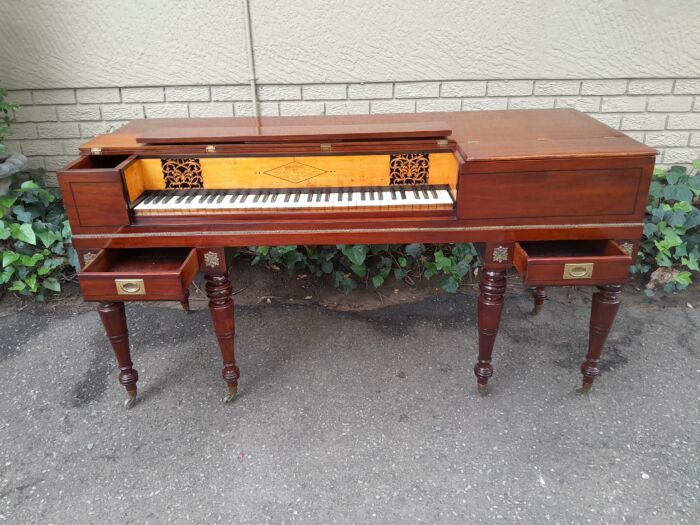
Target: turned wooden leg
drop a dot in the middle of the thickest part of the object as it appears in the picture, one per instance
(219, 291)
(185, 303)
(606, 302)
(492, 289)
(539, 295)
(114, 320)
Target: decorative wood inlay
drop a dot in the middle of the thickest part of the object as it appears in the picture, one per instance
(182, 173)
(409, 168)
(500, 254)
(627, 247)
(515, 227)
(211, 259)
(88, 257)
(294, 172)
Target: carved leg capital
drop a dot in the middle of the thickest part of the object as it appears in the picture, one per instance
(606, 303)
(492, 289)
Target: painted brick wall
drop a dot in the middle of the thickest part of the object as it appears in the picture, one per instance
(663, 113)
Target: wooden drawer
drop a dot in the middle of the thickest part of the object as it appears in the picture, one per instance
(571, 262)
(164, 274)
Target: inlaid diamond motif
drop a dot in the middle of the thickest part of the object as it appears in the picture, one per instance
(294, 172)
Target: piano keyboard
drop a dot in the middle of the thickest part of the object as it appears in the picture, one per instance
(167, 202)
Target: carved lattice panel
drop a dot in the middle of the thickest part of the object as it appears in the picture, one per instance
(182, 173)
(409, 168)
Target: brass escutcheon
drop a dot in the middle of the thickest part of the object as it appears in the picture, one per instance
(130, 286)
(578, 271)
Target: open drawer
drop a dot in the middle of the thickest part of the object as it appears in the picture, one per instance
(162, 274)
(571, 262)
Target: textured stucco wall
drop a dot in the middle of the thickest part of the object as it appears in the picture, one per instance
(70, 43)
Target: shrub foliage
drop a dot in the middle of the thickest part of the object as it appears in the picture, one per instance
(671, 238)
(35, 240)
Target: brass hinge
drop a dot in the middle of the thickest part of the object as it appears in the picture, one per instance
(96, 151)
(326, 147)
(210, 149)
(442, 142)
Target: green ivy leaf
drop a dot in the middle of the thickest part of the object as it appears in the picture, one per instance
(678, 193)
(51, 283)
(359, 269)
(31, 260)
(7, 274)
(442, 263)
(356, 253)
(29, 185)
(684, 278)
(450, 285)
(403, 262)
(31, 282)
(47, 238)
(6, 201)
(17, 286)
(414, 250)
(9, 257)
(682, 206)
(26, 234)
(377, 281)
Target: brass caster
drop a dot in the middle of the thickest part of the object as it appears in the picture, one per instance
(482, 389)
(585, 388)
(231, 396)
(130, 401)
(536, 309)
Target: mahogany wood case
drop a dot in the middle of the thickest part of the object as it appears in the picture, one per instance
(555, 193)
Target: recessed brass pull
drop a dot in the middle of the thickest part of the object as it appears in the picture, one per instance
(130, 286)
(210, 149)
(578, 271)
(326, 147)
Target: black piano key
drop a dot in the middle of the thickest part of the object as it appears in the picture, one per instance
(287, 196)
(424, 192)
(220, 196)
(402, 189)
(257, 197)
(433, 193)
(297, 196)
(393, 194)
(327, 196)
(380, 194)
(416, 194)
(274, 197)
(371, 194)
(149, 197)
(266, 195)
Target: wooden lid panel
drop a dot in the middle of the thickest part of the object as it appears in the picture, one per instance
(278, 132)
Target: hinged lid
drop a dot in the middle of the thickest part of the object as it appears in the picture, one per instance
(280, 133)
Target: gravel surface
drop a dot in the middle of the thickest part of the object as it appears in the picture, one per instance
(352, 417)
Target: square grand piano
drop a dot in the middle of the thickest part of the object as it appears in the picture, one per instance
(553, 193)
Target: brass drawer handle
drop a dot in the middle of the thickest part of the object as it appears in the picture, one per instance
(130, 286)
(578, 271)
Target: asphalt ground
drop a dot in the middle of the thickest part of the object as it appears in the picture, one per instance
(352, 417)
